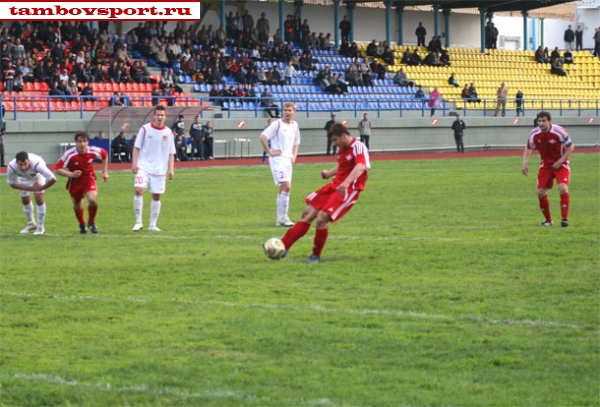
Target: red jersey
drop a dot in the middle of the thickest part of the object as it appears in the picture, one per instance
(72, 161)
(355, 153)
(551, 145)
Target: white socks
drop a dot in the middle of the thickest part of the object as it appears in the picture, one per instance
(283, 203)
(154, 212)
(41, 215)
(28, 211)
(138, 206)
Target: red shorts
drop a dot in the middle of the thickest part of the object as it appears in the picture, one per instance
(547, 174)
(328, 200)
(79, 189)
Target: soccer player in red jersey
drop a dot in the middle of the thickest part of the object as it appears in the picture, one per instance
(77, 164)
(555, 147)
(335, 199)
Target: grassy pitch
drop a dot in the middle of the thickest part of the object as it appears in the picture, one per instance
(438, 288)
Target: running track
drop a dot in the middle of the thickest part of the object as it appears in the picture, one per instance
(315, 159)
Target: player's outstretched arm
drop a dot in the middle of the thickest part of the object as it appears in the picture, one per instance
(105, 169)
(134, 159)
(524, 167)
(171, 171)
(356, 172)
(329, 173)
(568, 151)
(22, 187)
(47, 185)
(66, 173)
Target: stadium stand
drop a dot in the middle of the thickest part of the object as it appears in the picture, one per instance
(517, 69)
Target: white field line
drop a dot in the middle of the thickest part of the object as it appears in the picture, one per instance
(162, 235)
(143, 388)
(313, 308)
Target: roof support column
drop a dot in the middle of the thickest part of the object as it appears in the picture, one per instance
(298, 5)
(542, 32)
(281, 20)
(222, 16)
(400, 16)
(446, 13)
(525, 33)
(388, 21)
(436, 19)
(336, 22)
(350, 7)
(482, 27)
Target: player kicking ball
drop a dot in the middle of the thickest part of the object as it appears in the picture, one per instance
(335, 199)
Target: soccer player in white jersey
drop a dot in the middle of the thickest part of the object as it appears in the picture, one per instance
(284, 137)
(29, 174)
(153, 156)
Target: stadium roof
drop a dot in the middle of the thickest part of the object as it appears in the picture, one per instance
(491, 5)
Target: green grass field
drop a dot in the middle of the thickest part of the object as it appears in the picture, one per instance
(439, 288)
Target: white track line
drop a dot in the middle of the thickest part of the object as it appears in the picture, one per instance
(143, 388)
(314, 308)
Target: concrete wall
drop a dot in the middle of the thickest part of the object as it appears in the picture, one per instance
(389, 134)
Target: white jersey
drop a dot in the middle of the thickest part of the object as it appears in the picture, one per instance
(37, 165)
(156, 145)
(283, 136)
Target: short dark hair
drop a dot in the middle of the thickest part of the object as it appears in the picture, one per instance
(544, 114)
(337, 129)
(82, 134)
(22, 156)
(160, 107)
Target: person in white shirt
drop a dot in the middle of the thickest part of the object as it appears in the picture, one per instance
(30, 175)
(284, 137)
(153, 156)
(289, 72)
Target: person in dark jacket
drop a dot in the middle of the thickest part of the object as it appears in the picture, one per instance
(327, 127)
(459, 127)
(120, 152)
(197, 141)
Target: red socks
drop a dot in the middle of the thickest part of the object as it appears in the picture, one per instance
(565, 200)
(79, 216)
(320, 240)
(92, 213)
(295, 233)
(299, 230)
(545, 207)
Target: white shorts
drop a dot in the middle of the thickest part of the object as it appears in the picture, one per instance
(156, 184)
(281, 168)
(38, 180)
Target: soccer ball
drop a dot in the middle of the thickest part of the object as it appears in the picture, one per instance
(274, 248)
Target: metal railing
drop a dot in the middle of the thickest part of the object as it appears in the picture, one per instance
(307, 105)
